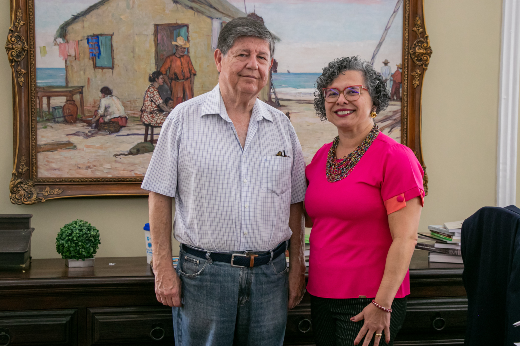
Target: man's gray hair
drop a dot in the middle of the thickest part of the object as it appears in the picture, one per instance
(240, 27)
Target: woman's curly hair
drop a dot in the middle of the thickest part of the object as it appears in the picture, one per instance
(373, 82)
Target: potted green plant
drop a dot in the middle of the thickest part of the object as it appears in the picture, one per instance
(78, 242)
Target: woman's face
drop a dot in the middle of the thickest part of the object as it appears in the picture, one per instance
(160, 80)
(350, 115)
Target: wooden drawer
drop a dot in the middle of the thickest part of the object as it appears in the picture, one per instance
(46, 327)
(437, 321)
(299, 326)
(428, 322)
(130, 326)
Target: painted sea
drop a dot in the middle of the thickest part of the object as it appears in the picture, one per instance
(295, 85)
(283, 82)
(50, 76)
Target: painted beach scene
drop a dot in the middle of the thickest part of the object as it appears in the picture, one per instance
(100, 104)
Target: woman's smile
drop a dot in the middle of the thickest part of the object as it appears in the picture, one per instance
(343, 112)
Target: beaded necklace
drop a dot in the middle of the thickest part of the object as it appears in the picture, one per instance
(340, 169)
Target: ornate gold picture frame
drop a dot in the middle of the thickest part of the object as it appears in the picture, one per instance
(28, 187)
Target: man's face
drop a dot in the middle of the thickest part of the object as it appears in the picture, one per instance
(245, 67)
(180, 51)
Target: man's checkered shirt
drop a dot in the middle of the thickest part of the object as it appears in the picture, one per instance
(228, 198)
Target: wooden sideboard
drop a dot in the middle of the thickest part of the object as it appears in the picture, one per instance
(114, 303)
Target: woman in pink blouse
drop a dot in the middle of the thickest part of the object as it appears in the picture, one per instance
(363, 201)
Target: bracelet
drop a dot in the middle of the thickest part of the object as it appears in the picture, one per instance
(381, 307)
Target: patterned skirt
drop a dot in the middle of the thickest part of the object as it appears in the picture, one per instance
(155, 118)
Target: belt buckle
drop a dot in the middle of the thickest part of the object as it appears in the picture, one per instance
(233, 259)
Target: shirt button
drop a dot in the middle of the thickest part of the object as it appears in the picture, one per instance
(400, 199)
(245, 233)
(247, 205)
(245, 180)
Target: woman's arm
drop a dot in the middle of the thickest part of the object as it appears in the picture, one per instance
(164, 107)
(403, 227)
(100, 112)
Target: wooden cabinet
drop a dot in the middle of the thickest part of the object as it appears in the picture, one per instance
(129, 326)
(436, 309)
(47, 327)
(114, 304)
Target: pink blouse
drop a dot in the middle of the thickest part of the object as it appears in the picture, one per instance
(350, 237)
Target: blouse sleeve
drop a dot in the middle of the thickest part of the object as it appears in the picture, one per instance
(155, 97)
(402, 178)
(101, 109)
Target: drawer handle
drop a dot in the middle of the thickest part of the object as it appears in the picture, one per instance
(439, 323)
(5, 339)
(157, 334)
(305, 325)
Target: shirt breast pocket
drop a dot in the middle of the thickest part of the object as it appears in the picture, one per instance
(276, 174)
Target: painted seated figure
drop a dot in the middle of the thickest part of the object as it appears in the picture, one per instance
(154, 111)
(169, 102)
(110, 109)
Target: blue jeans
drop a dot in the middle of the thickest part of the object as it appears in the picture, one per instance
(225, 305)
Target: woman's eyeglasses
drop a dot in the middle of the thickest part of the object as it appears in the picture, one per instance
(351, 93)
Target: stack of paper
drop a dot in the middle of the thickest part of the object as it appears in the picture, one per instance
(447, 239)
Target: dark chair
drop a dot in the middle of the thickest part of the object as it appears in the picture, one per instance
(146, 127)
(491, 253)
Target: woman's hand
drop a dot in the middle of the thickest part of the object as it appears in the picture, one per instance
(376, 321)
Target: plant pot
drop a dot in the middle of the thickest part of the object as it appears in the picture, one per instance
(72, 263)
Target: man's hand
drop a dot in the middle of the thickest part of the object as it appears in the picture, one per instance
(168, 287)
(296, 285)
(167, 283)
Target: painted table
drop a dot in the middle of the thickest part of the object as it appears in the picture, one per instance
(59, 91)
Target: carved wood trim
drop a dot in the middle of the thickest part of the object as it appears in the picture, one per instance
(25, 186)
(416, 58)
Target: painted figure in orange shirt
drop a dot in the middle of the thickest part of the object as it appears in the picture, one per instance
(181, 73)
(396, 85)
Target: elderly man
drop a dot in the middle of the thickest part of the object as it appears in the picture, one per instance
(180, 72)
(235, 168)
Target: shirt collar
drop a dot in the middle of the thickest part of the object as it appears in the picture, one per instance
(215, 105)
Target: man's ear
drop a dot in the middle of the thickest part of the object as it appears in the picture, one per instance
(218, 59)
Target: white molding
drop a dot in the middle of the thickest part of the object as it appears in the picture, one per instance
(508, 104)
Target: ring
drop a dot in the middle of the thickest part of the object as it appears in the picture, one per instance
(379, 334)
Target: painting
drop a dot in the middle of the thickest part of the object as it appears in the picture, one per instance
(87, 111)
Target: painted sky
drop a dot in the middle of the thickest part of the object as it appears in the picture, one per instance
(312, 32)
(49, 14)
(315, 32)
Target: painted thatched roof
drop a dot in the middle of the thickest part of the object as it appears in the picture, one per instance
(211, 8)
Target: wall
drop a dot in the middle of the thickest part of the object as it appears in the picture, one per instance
(460, 107)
